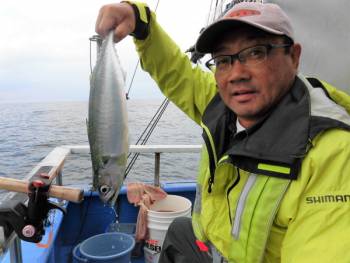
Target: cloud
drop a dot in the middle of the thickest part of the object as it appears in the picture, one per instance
(45, 48)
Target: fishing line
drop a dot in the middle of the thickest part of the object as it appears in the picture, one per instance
(156, 122)
(148, 131)
(151, 126)
(151, 121)
(137, 64)
(132, 79)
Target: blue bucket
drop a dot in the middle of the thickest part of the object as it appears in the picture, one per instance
(107, 247)
(77, 258)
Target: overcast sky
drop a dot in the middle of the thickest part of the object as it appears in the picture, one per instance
(44, 48)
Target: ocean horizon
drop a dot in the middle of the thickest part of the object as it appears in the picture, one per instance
(31, 130)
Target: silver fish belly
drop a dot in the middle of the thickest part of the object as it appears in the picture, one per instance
(107, 123)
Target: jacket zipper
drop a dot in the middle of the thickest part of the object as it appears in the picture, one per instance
(241, 204)
(228, 192)
(212, 156)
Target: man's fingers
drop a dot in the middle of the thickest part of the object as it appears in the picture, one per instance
(105, 21)
(117, 17)
(121, 31)
(106, 24)
(98, 21)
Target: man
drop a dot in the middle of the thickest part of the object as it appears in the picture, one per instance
(273, 185)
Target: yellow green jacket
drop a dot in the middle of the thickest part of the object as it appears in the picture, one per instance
(281, 191)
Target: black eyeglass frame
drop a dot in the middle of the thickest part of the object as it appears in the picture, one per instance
(237, 56)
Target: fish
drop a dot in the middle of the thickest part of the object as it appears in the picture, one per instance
(107, 123)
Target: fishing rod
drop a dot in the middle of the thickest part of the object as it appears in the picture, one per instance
(147, 132)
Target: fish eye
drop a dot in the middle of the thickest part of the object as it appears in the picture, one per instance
(104, 189)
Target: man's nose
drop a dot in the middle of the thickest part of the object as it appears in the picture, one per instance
(237, 71)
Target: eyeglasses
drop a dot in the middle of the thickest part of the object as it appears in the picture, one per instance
(249, 57)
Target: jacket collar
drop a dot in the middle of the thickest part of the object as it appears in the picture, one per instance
(276, 145)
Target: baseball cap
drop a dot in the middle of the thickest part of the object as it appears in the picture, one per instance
(265, 16)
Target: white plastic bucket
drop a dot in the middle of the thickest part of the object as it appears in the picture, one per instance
(160, 215)
(150, 255)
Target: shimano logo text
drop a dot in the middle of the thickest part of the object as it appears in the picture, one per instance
(327, 199)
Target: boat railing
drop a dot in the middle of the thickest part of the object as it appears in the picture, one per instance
(53, 164)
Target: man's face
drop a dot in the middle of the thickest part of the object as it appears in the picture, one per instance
(250, 91)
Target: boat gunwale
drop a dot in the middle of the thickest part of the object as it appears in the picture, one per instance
(55, 160)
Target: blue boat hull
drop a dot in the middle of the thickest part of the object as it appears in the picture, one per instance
(91, 217)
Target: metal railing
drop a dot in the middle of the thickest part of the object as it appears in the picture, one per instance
(54, 162)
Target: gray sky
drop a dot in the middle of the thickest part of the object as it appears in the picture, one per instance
(44, 49)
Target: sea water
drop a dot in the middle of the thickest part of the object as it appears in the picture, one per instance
(29, 131)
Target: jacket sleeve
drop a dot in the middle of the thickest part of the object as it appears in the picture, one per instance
(187, 86)
(317, 209)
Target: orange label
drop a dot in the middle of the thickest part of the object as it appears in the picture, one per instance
(242, 12)
(152, 241)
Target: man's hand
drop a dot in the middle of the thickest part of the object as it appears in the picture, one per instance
(117, 17)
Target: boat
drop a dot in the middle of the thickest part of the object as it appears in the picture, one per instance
(63, 232)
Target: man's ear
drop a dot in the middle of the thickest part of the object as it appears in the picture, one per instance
(295, 53)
